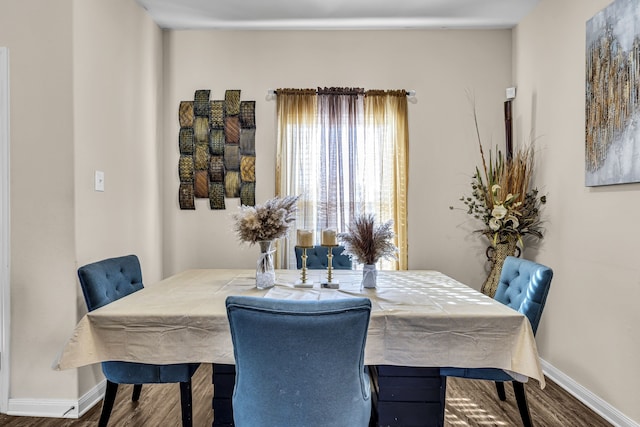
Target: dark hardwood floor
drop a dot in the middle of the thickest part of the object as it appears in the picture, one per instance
(469, 403)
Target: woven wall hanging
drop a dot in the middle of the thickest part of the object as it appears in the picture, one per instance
(217, 150)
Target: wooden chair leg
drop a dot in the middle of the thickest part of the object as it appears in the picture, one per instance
(107, 403)
(185, 401)
(137, 389)
(521, 399)
(500, 388)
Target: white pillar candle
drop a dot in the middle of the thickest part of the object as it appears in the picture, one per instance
(329, 238)
(305, 238)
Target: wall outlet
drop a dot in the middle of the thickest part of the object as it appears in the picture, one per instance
(511, 92)
(99, 181)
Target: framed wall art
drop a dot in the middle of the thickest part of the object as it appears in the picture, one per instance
(217, 150)
(612, 104)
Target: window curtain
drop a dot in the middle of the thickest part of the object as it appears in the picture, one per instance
(297, 156)
(387, 129)
(341, 119)
(344, 151)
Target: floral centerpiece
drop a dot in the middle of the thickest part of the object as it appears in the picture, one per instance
(502, 200)
(505, 203)
(263, 224)
(268, 221)
(367, 243)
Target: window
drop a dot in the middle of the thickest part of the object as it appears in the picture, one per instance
(344, 151)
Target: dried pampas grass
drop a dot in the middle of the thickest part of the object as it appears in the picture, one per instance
(368, 242)
(268, 221)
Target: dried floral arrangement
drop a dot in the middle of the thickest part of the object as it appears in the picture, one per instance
(367, 242)
(502, 198)
(268, 221)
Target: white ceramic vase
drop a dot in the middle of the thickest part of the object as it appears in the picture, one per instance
(369, 276)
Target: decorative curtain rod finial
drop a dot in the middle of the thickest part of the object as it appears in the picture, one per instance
(411, 96)
(271, 95)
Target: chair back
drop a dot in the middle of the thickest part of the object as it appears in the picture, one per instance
(317, 258)
(105, 281)
(524, 286)
(300, 363)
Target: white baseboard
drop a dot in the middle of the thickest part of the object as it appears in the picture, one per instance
(599, 406)
(57, 408)
(92, 397)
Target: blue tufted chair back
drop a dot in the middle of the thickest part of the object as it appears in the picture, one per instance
(300, 363)
(524, 286)
(108, 280)
(317, 258)
(105, 281)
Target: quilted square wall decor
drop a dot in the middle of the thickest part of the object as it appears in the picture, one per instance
(216, 142)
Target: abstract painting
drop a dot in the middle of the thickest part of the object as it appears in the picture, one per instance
(612, 105)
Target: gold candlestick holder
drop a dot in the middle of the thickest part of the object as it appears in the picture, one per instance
(331, 283)
(303, 283)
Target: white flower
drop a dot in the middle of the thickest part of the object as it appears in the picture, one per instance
(495, 188)
(499, 212)
(495, 224)
(514, 221)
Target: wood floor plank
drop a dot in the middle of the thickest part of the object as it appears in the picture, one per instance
(475, 403)
(470, 403)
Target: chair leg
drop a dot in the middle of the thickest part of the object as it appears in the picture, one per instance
(107, 403)
(521, 398)
(185, 401)
(500, 388)
(137, 389)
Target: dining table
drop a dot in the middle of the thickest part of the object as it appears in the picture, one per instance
(421, 320)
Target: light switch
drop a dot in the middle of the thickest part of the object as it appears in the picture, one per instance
(99, 181)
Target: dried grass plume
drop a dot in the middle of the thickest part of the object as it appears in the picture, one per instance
(268, 221)
(502, 196)
(367, 242)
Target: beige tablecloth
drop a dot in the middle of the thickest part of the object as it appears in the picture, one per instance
(419, 318)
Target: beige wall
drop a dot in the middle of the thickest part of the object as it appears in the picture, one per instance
(42, 217)
(589, 327)
(85, 83)
(440, 65)
(117, 86)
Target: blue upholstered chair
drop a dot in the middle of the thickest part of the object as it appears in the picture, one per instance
(300, 363)
(523, 286)
(317, 258)
(103, 282)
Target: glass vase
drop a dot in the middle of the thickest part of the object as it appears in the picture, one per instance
(265, 268)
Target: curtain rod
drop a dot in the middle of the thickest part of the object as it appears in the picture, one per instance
(272, 93)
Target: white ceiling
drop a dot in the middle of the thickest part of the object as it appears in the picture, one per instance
(336, 14)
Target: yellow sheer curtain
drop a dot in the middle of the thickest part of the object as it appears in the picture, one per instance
(387, 127)
(297, 123)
